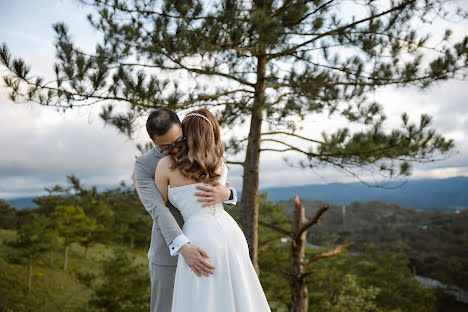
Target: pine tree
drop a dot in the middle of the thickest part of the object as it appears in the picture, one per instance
(70, 223)
(98, 213)
(266, 63)
(35, 236)
(125, 285)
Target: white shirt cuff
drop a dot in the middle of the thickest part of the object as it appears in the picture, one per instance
(233, 201)
(177, 243)
(230, 202)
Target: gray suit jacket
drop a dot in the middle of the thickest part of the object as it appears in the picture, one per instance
(167, 220)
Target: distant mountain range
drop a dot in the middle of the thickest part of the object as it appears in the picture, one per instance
(22, 202)
(423, 194)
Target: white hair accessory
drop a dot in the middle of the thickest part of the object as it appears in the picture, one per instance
(199, 115)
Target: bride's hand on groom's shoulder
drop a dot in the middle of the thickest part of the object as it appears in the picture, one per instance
(194, 257)
(212, 193)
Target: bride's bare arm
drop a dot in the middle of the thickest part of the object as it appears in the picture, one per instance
(161, 177)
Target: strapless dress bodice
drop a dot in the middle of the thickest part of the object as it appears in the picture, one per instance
(184, 198)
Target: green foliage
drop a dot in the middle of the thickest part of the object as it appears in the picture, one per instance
(276, 287)
(351, 297)
(56, 290)
(11, 293)
(71, 223)
(98, 212)
(377, 278)
(52, 289)
(131, 222)
(7, 216)
(34, 237)
(380, 271)
(124, 285)
(437, 242)
(387, 267)
(273, 255)
(272, 213)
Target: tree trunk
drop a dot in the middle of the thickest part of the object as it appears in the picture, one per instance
(132, 241)
(86, 252)
(299, 292)
(30, 276)
(250, 180)
(65, 260)
(296, 275)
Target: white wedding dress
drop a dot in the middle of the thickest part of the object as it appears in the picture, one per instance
(234, 285)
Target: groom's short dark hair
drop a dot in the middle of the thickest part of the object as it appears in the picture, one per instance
(160, 121)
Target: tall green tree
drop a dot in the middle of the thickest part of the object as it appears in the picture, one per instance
(56, 196)
(264, 63)
(71, 223)
(130, 221)
(35, 236)
(98, 212)
(125, 285)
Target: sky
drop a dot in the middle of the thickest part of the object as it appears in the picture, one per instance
(40, 146)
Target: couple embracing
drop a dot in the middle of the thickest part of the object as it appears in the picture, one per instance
(198, 257)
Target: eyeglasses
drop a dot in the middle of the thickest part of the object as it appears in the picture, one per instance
(176, 144)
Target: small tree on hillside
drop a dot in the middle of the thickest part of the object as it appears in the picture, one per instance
(99, 214)
(56, 196)
(71, 222)
(35, 236)
(128, 215)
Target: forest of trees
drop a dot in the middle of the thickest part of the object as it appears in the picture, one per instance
(83, 250)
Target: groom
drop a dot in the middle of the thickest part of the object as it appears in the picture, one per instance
(167, 238)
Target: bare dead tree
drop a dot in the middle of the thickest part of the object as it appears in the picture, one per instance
(297, 273)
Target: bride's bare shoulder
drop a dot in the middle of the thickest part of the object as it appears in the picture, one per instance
(165, 164)
(166, 160)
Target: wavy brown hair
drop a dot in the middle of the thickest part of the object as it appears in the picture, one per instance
(202, 152)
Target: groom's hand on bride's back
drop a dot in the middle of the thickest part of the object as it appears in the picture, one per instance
(212, 193)
(194, 257)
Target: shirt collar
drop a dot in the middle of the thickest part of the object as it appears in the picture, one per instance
(157, 153)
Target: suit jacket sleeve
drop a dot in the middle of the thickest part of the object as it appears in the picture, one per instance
(154, 204)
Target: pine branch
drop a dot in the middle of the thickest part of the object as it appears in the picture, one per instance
(235, 162)
(339, 29)
(276, 228)
(277, 150)
(292, 134)
(323, 6)
(291, 147)
(146, 13)
(328, 254)
(211, 73)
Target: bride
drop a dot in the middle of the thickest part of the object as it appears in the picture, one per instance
(234, 285)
